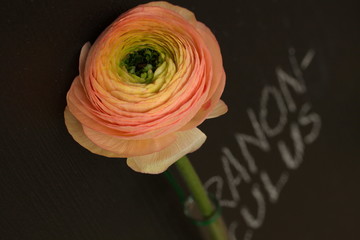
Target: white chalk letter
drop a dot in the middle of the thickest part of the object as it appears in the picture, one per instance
(266, 93)
(259, 141)
(252, 221)
(313, 118)
(272, 189)
(286, 80)
(292, 161)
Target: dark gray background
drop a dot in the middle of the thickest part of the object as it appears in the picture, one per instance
(51, 188)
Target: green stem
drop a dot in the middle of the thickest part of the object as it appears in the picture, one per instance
(200, 197)
(175, 185)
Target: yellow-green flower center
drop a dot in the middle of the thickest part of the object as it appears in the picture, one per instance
(143, 63)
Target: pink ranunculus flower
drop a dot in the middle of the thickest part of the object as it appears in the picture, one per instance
(145, 85)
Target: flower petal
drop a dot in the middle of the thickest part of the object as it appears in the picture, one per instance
(207, 108)
(185, 13)
(220, 109)
(186, 142)
(214, 48)
(75, 129)
(129, 148)
(83, 55)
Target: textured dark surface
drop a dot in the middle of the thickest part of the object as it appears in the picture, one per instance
(51, 188)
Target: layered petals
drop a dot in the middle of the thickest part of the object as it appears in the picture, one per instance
(157, 162)
(144, 86)
(220, 109)
(129, 148)
(76, 130)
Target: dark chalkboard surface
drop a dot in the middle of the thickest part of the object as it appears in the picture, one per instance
(284, 161)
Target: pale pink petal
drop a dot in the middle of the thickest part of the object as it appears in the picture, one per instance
(214, 48)
(186, 142)
(75, 129)
(207, 107)
(80, 106)
(83, 55)
(185, 13)
(129, 148)
(219, 110)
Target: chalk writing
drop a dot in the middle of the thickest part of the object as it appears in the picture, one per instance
(267, 138)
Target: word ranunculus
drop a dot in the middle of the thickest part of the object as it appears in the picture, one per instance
(145, 85)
